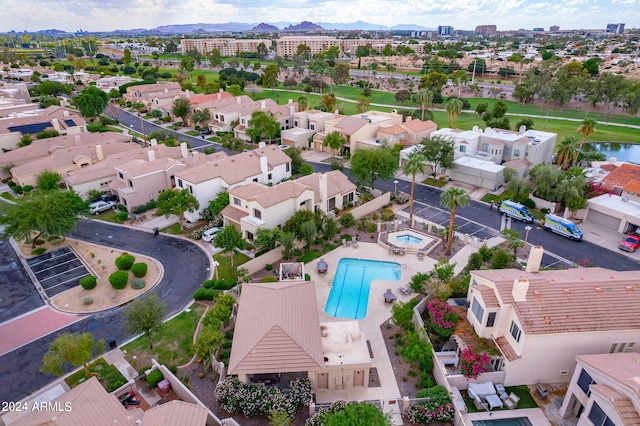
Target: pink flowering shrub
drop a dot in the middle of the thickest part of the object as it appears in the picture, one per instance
(472, 364)
(443, 318)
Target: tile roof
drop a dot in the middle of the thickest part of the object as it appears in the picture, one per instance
(349, 125)
(623, 368)
(621, 403)
(633, 186)
(277, 329)
(518, 164)
(176, 413)
(417, 126)
(233, 213)
(488, 296)
(268, 196)
(506, 348)
(571, 301)
(201, 98)
(398, 129)
(337, 183)
(621, 176)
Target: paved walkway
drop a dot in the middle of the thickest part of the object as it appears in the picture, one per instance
(116, 358)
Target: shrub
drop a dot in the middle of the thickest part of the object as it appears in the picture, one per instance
(27, 188)
(119, 279)
(206, 294)
(122, 216)
(224, 284)
(472, 364)
(268, 279)
(475, 261)
(139, 270)
(125, 261)
(89, 282)
(154, 378)
(87, 301)
(529, 203)
(38, 251)
(268, 267)
(402, 198)
(387, 214)
(443, 318)
(138, 284)
(307, 277)
(545, 210)
(208, 283)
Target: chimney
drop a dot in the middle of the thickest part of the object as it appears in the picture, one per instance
(166, 90)
(187, 93)
(519, 291)
(290, 101)
(292, 110)
(220, 95)
(153, 142)
(55, 123)
(65, 113)
(263, 104)
(535, 259)
(336, 113)
(77, 140)
(183, 150)
(238, 100)
(264, 168)
(99, 153)
(152, 155)
(261, 144)
(323, 192)
(406, 120)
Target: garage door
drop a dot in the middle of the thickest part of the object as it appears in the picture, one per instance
(602, 219)
(465, 177)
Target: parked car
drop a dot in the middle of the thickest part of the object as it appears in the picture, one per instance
(561, 226)
(101, 206)
(631, 243)
(209, 234)
(515, 210)
(206, 132)
(283, 147)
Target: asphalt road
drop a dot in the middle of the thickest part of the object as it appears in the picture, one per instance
(19, 369)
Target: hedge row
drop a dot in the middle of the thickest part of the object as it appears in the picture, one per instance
(206, 294)
(221, 284)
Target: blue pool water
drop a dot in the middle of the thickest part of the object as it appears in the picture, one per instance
(518, 421)
(408, 239)
(349, 295)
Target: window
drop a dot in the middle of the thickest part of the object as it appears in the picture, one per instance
(255, 179)
(516, 152)
(477, 310)
(236, 201)
(515, 331)
(332, 203)
(130, 183)
(507, 151)
(180, 183)
(257, 213)
(190, 188)
(249, 236)
(312, 127)
(584, 381)
(463, 148)
(620, 347)
(120, 175)
(491, 319)
(347, 199)
(287, 168)
(485, 147)
(269, 176)
(598, 417)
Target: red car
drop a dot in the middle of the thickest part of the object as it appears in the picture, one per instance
(630, 243)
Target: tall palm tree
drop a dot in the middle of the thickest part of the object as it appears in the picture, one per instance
(453, 107)
(453, 198)
(415, 164)
(423, 97)
(565, 151)
(587, 128)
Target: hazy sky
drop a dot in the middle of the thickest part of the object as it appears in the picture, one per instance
(105, 15)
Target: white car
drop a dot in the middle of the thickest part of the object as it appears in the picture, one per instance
(101, 206)
(283, 147)
(209, 234)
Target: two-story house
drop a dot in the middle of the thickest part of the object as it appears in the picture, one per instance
(145, 92)
(282, 114)
(267, 164)
(408, 133)
(541, 320)
(305, 125)
(605, 388)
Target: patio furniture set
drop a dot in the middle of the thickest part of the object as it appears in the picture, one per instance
(487, 396)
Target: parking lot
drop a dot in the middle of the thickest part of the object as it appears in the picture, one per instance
(58, 270)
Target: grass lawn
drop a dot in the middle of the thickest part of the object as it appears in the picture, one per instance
(110, 378)
(192, 133)
(172, 346)
(172, 229)
(434, 182)
(110, 216)
(224, 269)
(526, 400)
(7, 196)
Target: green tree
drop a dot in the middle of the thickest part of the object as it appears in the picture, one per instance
(287, 241)
(262, 126)
(262, 50)
(566, 150)
(308, 232)
(235, 90)
(177, 202)
(144, 316)
(201, 117)
(347, 220)
(370, 164)
(215, 58)
(341, 72)
(362, 105)
(335, 141)
(266, 238)
(423, 97)
(453, 107)
(459, 79)
(47, 213)
(353, 413)
(270, 76)
(438, 153)
(416, 163)
(126, 58)
(433, 81)
(328, 101)
(520, 188)
(48, 181)
(402, 96)
(70, 349)
(361, 52)
(513, 240)
(53, 88)
(235, 145)
(453, 198)
(216, 206)
(229, 239)
(303, 103)
(586, 129)
(296, 159)
(181, 108)
(92, 101)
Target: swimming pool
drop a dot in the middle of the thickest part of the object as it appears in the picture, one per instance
(516, 421)
(408, 239)
(349, 294)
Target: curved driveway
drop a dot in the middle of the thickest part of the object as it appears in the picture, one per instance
(185, 268)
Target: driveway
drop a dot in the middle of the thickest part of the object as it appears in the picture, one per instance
(19, 369)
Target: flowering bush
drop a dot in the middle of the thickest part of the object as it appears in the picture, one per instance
(343, 413)
(472, 364)
(430, 412)
(254, 400)
(443, 318)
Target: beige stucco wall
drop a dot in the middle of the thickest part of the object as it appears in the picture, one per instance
(9, 140)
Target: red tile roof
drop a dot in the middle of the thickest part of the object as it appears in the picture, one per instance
(506, 349)
(622, 176)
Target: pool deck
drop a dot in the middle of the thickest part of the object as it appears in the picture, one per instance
(535, 416)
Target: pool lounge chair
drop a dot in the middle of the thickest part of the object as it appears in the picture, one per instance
(354, 243)
(512, 401)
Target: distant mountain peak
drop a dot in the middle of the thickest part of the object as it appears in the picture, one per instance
(265, 27)
(304, 26)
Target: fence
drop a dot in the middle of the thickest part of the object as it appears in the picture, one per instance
(371, 206)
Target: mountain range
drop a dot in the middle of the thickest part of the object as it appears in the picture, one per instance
(276, 26)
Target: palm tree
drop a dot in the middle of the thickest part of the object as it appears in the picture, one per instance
(587, 128)
(453, 198)
(423, 97)
(415, 164)
(453, 107)
(566, 150)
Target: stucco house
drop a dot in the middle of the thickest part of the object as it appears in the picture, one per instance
(282, 114)
(271, 343)
(541, 320)
(605, 388)
(409, 133)
(615, 212)
(267, 164)
(144, 93)
(305, 125)
(254, 206)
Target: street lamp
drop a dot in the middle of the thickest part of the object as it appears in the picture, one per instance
(526, 235)
(215, 268)
(395, 186)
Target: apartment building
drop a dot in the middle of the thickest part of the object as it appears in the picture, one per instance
(486, 30)
(226, 46)
(351, 45)
(287, 46)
